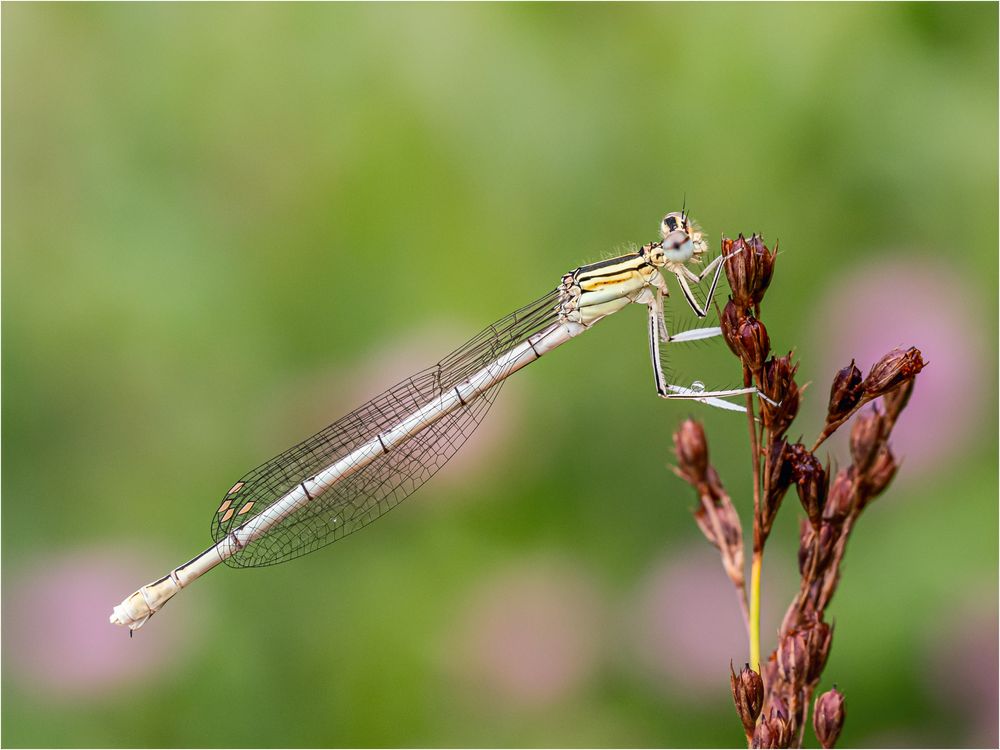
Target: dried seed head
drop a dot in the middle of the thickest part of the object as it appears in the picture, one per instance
(845, 393)
(810, 482)
(895, 368)
(774, 731)
(752, 343)
(777, 381)
(793, 658)
(730, 323)
(840, 500)
(692, 452)
(881, 473)
(866, 438)
(828, 717)
(748, 695)
(749, 266)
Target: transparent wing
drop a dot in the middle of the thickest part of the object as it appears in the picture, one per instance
(367, 494)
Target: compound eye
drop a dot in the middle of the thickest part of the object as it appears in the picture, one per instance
(670, 223)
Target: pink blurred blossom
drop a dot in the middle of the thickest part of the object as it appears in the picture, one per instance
(687, 620)
(530, 636)
(895, 302)
(56, 636)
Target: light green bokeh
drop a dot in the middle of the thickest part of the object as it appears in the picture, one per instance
(205, 206)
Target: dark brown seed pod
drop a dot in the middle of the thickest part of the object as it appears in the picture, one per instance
(793, 658)
(691, 449)
(774, 731)
(730, 323)
(866, 438)
(895, 368)
(752, 343)
(778, 384)
(749, 267)
(748, 695)
(840, 500)
(828, 717)
(881, 472)
(819, 637)
(811, 482)
(778, 470)
(845, 393)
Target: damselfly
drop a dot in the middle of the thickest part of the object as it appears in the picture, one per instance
(367, 462)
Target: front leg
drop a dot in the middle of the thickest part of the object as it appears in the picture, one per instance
(684, 273)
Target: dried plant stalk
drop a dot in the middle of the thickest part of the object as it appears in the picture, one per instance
(772, 699)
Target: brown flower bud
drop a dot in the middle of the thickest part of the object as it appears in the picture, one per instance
(748, 694)
(793, 658)
(881, 472)
(895, 368)
(819, 637)
(752, 343)
(807, 545)
(840, 500)
(810, 482)
(778, 470)
(895, 400)
(718, 520)
(866, 438)
(845, 393)
(774, 704)
(749, 266)
(774, 731)
(715, 488)
(730, 323)
(692, 452)
(765, 265)
(778, 384)
(728, 521)
(828, 717)
(821, 547)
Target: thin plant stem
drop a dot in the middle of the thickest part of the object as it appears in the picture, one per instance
(831, 428)
(755, 611)
(757, 550)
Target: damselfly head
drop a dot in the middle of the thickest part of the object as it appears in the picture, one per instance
(682, 239)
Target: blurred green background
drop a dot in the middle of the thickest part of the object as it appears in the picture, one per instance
(226, 225)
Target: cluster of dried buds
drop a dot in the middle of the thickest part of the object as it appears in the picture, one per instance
(773, 705)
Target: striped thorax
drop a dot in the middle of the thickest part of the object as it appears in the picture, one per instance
(594, 291)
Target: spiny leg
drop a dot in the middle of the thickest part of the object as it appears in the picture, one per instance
(700, 311)
(652, 296)
(658, 333)
(715, 265)
(679, 391)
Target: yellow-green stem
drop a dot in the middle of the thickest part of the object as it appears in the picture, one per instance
(755, 612)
